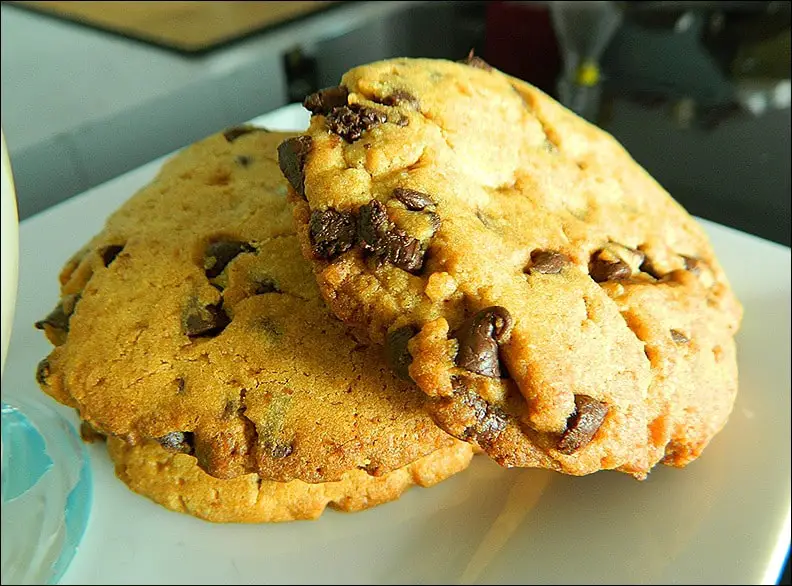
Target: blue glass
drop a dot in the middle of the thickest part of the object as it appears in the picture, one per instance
(46, 492)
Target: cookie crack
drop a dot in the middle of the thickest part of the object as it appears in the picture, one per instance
(542, 122)
(251, 431)
(443, 131)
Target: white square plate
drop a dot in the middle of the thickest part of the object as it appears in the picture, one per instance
(724, 519)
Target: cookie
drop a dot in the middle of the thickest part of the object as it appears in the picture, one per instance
(193, 319)
(175, 481)
(557, 305)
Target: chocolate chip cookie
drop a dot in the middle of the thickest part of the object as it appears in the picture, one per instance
(193, 320)
(175, 481)
(557, 305)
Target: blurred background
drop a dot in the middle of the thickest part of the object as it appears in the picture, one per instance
(698, 92)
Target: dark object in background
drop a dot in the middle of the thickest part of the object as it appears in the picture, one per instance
(520, 41)
(301, 75)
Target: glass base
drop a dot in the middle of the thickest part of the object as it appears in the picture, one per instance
(46, 493)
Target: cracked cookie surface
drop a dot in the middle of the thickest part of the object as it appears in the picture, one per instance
(517, 264)
(193, 319)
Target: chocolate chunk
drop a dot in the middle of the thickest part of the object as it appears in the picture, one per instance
(350, 122)
(548, 262)
(265, 285)
(404, 251)
(43, 373)
(489, 420)
(180, 384)
(181, 442)
(59, 317)
(602, 270)
(396, 352)
(401, 98)
(243, 160)
(292, 154)
(679, 337)
(332, 232)
(582, 424)
(109, 253)
(378, 235)
(647, 266)
(373, 226)
(231, 134)
(324, 101)
(475, 61)
(219, 254)
(205, 321)
(412, 199)
(479, 338)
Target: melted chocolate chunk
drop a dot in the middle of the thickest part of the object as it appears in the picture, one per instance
(602, 270)
(404, 251)
(396, 352)
(205, 321)
(582, 424)
(401, 98)
(292, 154)
(231, 134)
(412, 199)
(109, 253)
(647, 266)
(350, 122)
(548, 262)
(181, 442)
(479, 338)
(489, 420)
(332, 232)
(324, 101)
(373, 226)
(379, 236)
(219, 254)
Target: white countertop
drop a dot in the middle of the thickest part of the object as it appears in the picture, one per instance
(724, 519)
